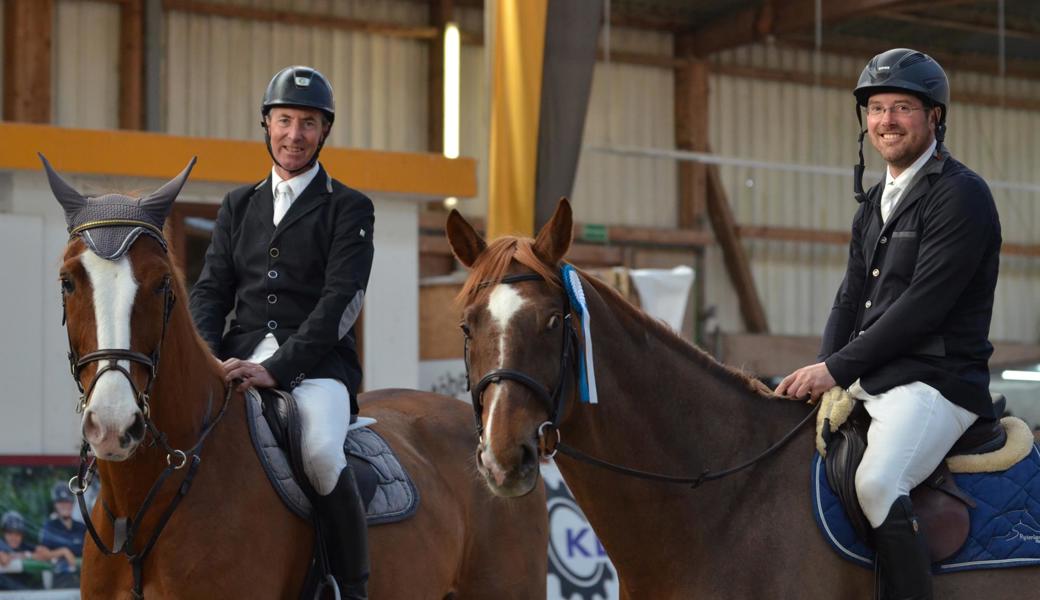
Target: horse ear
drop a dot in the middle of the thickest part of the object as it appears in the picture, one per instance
(554, 239)
(159, 202)
(67, 196)
(465, 242)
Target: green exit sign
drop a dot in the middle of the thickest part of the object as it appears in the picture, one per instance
(592, 232)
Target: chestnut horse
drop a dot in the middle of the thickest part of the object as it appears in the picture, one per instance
(665, 407)
(230, 536)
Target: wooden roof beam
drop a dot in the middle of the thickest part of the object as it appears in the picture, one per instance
(777, 17)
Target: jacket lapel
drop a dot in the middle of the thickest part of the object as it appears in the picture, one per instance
(316, 194)
(262, 206)
(919, 187)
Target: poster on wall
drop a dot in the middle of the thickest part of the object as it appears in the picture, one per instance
(578, 565)
(41, 527)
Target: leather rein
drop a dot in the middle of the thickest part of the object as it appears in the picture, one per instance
(126, 529)
(554, 401)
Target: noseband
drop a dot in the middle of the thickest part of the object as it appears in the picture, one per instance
(554, 399)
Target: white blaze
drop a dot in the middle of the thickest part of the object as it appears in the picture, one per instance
(503, 304)
(112, 399)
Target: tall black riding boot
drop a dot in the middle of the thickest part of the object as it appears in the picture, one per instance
(902, 554)
(343, 524)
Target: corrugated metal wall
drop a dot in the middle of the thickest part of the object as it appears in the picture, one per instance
(217, 69)
(629, 106)
(85, 68)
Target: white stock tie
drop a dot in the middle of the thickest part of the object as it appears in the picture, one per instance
(283, 197)
(889, 199)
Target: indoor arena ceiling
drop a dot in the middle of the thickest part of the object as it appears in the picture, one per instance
(957, 31)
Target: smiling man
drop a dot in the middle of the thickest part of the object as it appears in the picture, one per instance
(292, 255)
(908, 332)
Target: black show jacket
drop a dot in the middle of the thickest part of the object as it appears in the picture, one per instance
(303, 281)
(917, 297)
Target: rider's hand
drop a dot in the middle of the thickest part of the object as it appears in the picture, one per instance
(251, 374)
(811, 381)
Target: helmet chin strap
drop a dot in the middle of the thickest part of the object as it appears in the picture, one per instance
(310, 163)
(857, 170)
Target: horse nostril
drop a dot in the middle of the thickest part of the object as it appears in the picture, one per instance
(528, 455)
(136, 430)
(92, 429)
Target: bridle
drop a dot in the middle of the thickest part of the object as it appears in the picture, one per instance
(547, 446)
(554, 399)
(125, 528)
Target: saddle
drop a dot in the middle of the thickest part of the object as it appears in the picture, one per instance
(387, 491)
(941, 507)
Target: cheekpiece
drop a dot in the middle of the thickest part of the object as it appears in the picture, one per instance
(109, 224)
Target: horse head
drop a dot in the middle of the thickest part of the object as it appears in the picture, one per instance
(118, 290)
(516, 323)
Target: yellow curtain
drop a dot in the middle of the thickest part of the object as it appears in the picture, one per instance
(516, 92)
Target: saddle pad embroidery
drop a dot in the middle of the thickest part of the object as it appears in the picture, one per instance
(1005, 525)
(396, 497)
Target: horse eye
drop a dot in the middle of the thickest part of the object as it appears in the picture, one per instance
(554, 321)
(67, 287)
(465, 330)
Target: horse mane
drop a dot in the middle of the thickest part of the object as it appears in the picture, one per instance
(664, 333)
(493, 265)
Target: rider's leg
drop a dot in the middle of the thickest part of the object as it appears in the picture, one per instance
(325, 414)
(912, 428)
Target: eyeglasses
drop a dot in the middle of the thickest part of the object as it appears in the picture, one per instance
(899, 110)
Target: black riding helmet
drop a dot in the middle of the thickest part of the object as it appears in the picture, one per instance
(298, 87)
(901, 70)
(12, 521)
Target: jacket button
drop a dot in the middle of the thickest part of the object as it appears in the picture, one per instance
(884, 240)
(867, 304)
(272, 325)
(271, 298)
(272, 274)
(274, 252)
(875, 272)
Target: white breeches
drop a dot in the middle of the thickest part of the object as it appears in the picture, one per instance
(912, 428)
(324, 406)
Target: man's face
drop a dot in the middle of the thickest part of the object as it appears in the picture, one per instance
(295, 133)
(63, 508)
(902, 130)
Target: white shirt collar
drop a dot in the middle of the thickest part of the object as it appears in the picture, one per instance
(907, 175)
(298, 183)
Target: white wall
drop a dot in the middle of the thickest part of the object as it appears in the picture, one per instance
(37, 408)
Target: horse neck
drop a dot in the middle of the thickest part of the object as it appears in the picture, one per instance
(664, 406)
(188, 393)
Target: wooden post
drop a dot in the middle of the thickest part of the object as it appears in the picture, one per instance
(737, 265)
(691, 132)
(131, 64)
(28, 28)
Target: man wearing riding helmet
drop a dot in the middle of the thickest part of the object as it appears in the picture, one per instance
(292, 255)
(13, 547)
(908, 332)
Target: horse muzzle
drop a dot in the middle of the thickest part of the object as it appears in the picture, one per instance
(513, 473)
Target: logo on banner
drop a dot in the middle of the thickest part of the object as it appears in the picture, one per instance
(576, 557)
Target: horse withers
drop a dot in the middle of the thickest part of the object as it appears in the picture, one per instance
(664, 407)
(184, 496)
